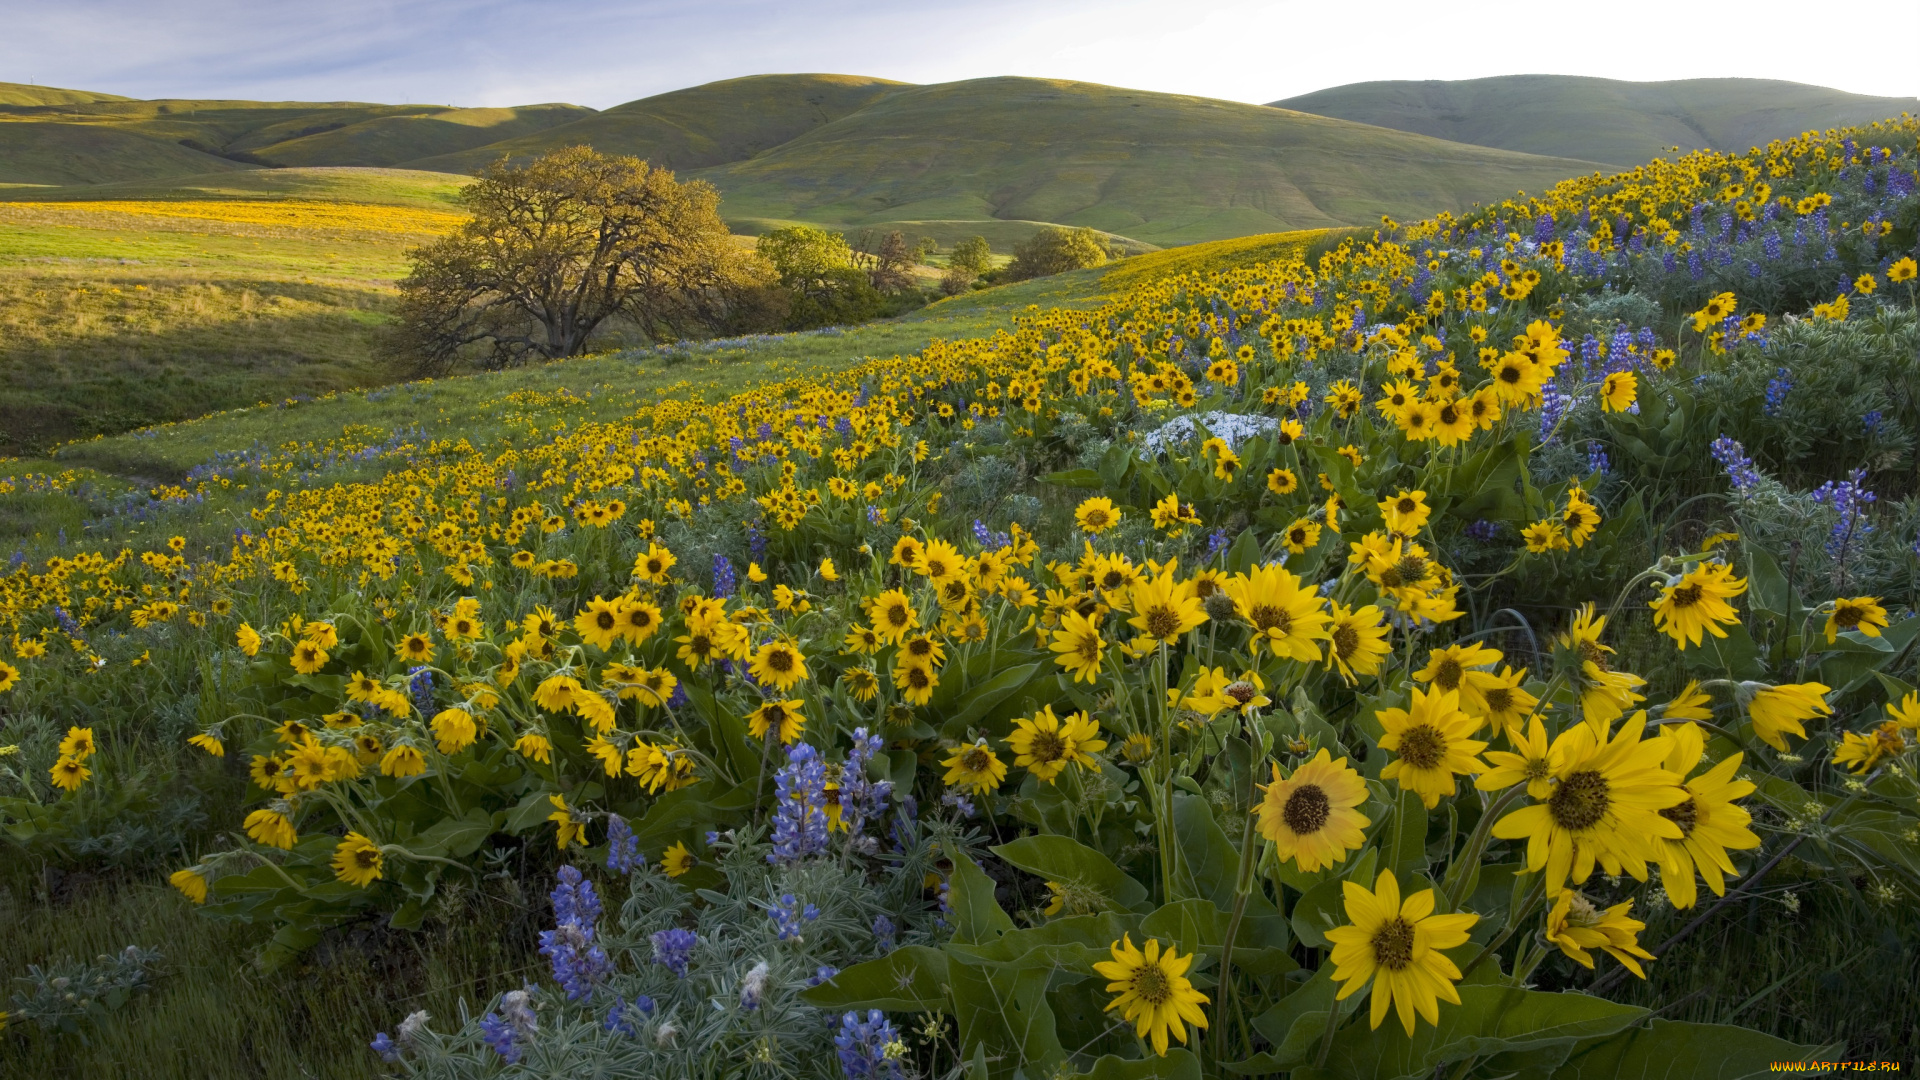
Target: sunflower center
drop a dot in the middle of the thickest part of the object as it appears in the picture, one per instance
(1241, 692)
(1048, 747)
(1346, 640)
(366, 858)
(1089, 648)
(936, 568)
(1537, 769)
(897, 615)
(975, 760)
(1686, 595)
(1449, 414)
(1686, 815)
(1269, 617)
(1423, 746)
(1393, 944)
(1847, 615)
(1151, 985)
(1096, 518)
(1592, 653)
(917, 678)
(1411, 568)
(1162, 622)
(1307, 810)
(1499, 699)
(1580, 801)
(1510, 374)
(1112, 579)
(606, 620)
(1406, 506)
(780, 660)
(920, 647)
(1447, 676)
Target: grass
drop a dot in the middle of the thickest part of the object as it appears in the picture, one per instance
(1160, 168)
(53, 153)
(1624, 123)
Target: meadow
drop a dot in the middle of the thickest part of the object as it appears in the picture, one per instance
(1482, 643)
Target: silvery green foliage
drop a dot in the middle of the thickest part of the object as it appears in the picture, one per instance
(1234, 428)
(738, 1012)
(59, 997)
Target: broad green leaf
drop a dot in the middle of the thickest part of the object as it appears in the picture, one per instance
(982, 698)
(1208, 860)
(1075, 478)
(1324, 906)
(1003, 1009)
(1076, 866)
(1296, 1021)
(977, 916)
(1405, 850)
(912, 978)
(1072, 943)
(454, 838)
(1177, 1065)
(1488, 1020)
(1671, 1048)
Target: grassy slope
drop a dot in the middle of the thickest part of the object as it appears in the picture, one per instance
(12, 93)
(1600, 119)
(1161, 168)
(57, 153)
(697, 127)
(390, 140)
(113, 320)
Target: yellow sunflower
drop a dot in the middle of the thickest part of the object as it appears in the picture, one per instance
(1310, 816)
(677, 860)
(915, 682)
(1777, 711)
(1045, 744)
(1697, 604)
(1153, 992)
(975, 766)
(1576, 925)
(1165, 609)
(1357, 640)
(1096, 515)
(1288, 619)
(1430, 744)
(1398, 946)
(784, 718)
(1710, 823)
(1862, 613)
(893, 615)
(1078, 646)
(779, 665)
(357, 860)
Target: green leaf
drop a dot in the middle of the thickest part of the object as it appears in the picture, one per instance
(977, 916)
(1075, 478)
(454, 838)
(1671, 1048)
(1177, 1065)
(529, 813)
(1406, 839)
(1072, 944)
(1076, 866)
(1327, 901)
(1488, 1020)
(1191, 925)
(1244, 555)
(1003, 1010)
(1208, 860)
(912, 978)
(983, 698)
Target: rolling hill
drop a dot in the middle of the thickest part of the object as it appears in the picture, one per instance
(56, 153)
(1622, 123)
(701, 126)
(1161, 168)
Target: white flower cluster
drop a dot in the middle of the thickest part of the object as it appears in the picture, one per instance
(1235, 428)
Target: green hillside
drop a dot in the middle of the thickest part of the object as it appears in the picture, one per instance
(345, 184)
(701, 126)
(1622, 123)
(54, 153)
(28, 94)
(1161, 168)
(392, 139)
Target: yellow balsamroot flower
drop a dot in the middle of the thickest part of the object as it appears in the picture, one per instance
(210, 743)
(1170, 514)
(1862, 613)
(1310, 816)
(893, 614)
(534, 746)
(1406, 513)
(599, 623)
(1078, 646)
(663, 767)
(1710, 821)
(1697, 604)
(1534, 764)
(1903, 269)
(1907, 713)
(1605, 694)
(1281, 482)
(975, 767)
(1576, 925)
(915, 681)
(923, 650)
(270, 827)
(248, 639)
(1691, 703)
(68, 774)
(1302, 536)
(1397, 946)
(308, 658)
(454, 730)
(862, 682)
(779, 665)
(1288, 619)
(654, 564)
(1456, 668)
(1508, 704)
(784, 718)
(1153, 992)
(357, 861)
(1860, 753)
(1096, 515)
(1357, 640)
(190, 883)
(1777, 711)
(1165, 609)
(677, 860)
(78, 744)
(1545, 536)
(827, 570)
(1431, 744)
(1617, 393)
(1045, 744)
(939, 561)
(403, 761)
(1605, 806)
(567, 830)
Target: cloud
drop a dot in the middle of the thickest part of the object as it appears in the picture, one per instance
(601, 53)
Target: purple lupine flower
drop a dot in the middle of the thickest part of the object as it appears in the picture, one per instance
(623, 848)
(724, 582)
(1850, 500)
(862, 799)
(822, 974)
(789, 913)
(1777, 390)
(800, 815)
(1597, 457)
(499, 1035)
(1733, 458)
(1483, 530)
(578, 961)
(674, 949)
(862, 1046)
(384, 1045)
(420, 686)
(883, 933)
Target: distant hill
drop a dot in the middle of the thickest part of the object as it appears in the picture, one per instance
(51, 153)
(714, 124)
(1161, 168)
(28, 94)
(391, 139)
(1622, 123)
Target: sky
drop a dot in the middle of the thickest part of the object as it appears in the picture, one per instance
(601, 53)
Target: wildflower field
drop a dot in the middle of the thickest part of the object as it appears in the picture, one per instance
(1486, 644)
